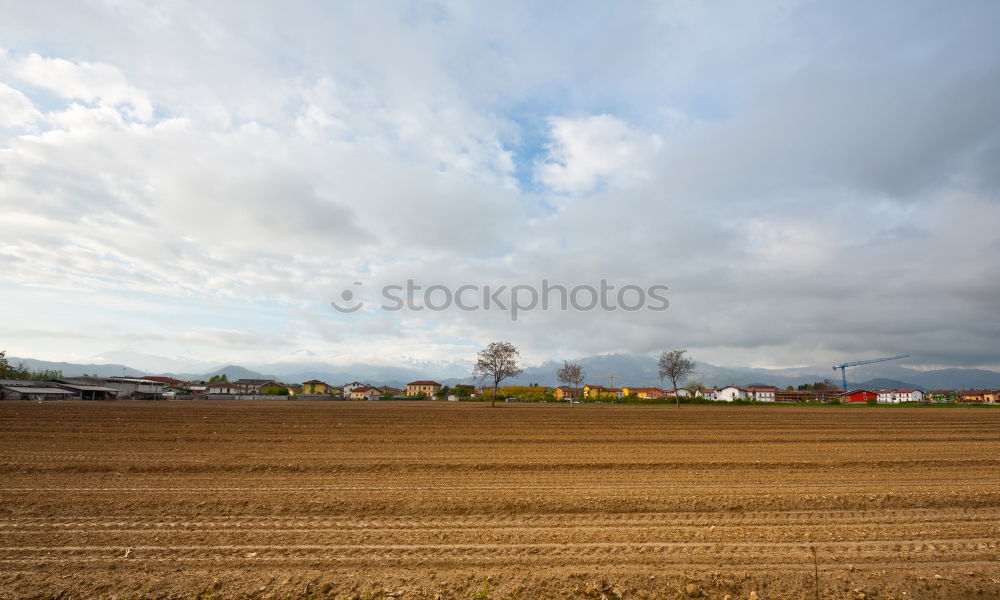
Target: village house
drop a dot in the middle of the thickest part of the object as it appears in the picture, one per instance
(978, 396)
(971, 396)
(710, 394)
(565, 393)
(898, 396)
(731, 393)
(226, 388)
(941, 396)
(693, 393)
(599, 392)
(859, 396)
(276, 388)
(643, 392)
(422, 388)
(366, 392)
(761, 393)
(347, 387)
(253, 386)
(315, 387)
(911, 396)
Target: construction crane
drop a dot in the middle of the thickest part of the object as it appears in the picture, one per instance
(611, 379)
(843, 367)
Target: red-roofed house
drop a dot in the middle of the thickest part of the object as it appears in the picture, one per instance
(978, 396)
(315, 387)
(761, 393)
(643, 392)
(567, 393)
(366, 392)
(598, 392)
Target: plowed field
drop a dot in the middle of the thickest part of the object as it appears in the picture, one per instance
(425, 500)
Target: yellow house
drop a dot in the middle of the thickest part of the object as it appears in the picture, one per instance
(643, 392)
(366, 392)
(597, 392)
(422, 388)
(562, 393)
(315, 387)
(979, 396)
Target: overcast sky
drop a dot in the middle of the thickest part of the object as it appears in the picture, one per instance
(814, 181)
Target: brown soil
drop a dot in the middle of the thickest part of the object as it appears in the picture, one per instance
(426, 500)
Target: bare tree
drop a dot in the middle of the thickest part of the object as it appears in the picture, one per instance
(497, 361)
(572, 375)
(675, 367)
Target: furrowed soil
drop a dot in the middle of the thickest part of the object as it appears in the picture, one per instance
(445, 500)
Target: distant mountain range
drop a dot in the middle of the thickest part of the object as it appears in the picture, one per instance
(635, 370)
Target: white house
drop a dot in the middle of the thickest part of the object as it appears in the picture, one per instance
(897, 396)
(225, 388)
(253, 386)
(731, 393)
(710, 394)
(761, 393)
(350, 386)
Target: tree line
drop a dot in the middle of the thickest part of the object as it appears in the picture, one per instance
(23, 373)
(500, 361)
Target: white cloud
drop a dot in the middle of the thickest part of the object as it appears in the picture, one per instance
(16, 110)
(585, 152)
(88, 81)
(757, 169)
